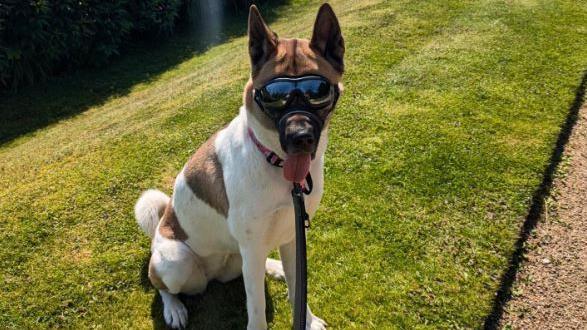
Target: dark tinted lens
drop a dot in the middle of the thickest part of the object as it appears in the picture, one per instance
(317, 92)
(276, 94)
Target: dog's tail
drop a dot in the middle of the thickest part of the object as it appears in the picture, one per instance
(149, 209)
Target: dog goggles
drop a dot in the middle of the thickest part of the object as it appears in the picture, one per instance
(308, 93)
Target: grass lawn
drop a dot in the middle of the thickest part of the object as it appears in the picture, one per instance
(449, 117)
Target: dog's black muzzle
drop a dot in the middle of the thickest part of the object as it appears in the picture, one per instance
(299, 131)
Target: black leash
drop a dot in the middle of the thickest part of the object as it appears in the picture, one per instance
(301, 282)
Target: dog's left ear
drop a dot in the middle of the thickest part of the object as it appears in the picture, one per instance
(262, 41)
(327, 38)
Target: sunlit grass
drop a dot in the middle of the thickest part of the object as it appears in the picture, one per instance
(449, 116)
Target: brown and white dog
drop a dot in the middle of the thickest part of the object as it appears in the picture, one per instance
(230, 207)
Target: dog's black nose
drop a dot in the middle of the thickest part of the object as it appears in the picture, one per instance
(303, 141)
(298, 134)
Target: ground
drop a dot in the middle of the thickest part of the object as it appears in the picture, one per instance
(551, 288)
(449, 118)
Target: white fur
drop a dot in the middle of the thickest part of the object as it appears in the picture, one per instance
(260, 219)
(147, 210)
(174, 312)
(274, 268)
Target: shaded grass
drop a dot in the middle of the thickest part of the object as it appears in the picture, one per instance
(450, 114)
(65, 97)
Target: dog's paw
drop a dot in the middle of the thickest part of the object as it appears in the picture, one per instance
(175, 313)
(274, 268)
(315, 323)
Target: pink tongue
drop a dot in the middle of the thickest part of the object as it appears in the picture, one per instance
(295, 168)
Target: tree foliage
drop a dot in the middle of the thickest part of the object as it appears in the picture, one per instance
(42, 37)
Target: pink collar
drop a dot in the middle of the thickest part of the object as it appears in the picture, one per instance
(270, 156)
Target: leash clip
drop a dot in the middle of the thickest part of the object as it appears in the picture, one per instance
(306, 219)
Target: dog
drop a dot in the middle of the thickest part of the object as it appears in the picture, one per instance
(231, 204)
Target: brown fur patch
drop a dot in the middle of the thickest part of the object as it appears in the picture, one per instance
(169, 226)
(204, 175)
(295, 57)
(155, 279)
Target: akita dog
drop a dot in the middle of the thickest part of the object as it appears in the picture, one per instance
(231, 203)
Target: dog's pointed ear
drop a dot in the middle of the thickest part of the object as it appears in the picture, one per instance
(327, 38)
(262, 41)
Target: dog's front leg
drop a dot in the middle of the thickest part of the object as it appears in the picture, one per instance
(287, 253)
(254, 277)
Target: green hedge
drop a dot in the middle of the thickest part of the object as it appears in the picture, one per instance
(43, 37)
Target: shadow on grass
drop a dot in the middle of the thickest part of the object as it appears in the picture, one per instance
(63, 97)
(221, 306)
(504, 293)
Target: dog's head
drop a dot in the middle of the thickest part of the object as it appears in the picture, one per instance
(294, 83)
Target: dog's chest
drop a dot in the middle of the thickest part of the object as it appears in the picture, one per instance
(272, 227)
(262, 207)
(260, 200)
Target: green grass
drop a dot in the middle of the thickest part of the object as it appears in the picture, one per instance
(449, 116)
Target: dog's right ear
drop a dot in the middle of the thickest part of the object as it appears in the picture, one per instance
(327, 38)
(262, 41)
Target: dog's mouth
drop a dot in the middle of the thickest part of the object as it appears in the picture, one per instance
(297, 166)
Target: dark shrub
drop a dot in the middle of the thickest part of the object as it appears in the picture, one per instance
(155, 16)
(41, 37)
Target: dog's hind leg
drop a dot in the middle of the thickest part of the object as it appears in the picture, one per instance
(274, 268)
(174, 312)
(174, 269)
